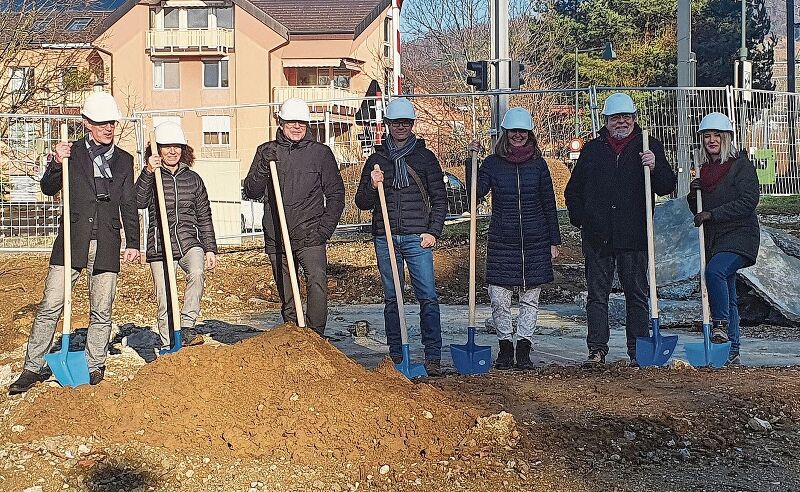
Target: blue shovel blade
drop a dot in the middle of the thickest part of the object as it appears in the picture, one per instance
(706, 353)
(408, 369)
(655, 350)
(469, 359)
(69, 368)
(177, 343)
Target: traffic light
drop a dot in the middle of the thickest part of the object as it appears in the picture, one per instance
(480, 81)
(517, 75)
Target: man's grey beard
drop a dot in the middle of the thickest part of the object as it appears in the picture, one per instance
(620, 134)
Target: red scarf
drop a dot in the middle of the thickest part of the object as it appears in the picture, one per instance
(712, 173)
(518, 155)
(619, 145)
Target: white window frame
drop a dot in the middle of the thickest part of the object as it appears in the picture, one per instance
(159, 78)
(24, 83)
(78, 20)
(219, 126)
(218, 61)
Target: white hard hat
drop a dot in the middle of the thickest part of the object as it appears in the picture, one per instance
(716, 121)
(294, 109)
(101, 107)
(619, 103)
(170, 132)
(517, 119)
(400, 109)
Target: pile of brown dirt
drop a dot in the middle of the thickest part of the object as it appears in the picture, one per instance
(284, 394)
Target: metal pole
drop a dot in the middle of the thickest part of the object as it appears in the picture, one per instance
(577, 128)
(790, 85)
(504, 54)
(493, 73)
(684, 81)
(742, 88)
(396, 66)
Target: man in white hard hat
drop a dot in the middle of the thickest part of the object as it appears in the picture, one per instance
(605, 199)
(313, 194)
(194, 246)
(101, 191)
(417, 205)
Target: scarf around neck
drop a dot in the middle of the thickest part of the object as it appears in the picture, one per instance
(398, 155)
(100, 153)
(518, 155)
(712, 173)
(618, 145)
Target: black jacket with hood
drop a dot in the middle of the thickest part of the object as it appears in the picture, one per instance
(311, 186)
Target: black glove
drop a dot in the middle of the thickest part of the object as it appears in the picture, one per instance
(268, 153)
(695, 184)
(701, 217)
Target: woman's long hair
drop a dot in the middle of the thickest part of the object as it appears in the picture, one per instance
(502, 145)
(187, 154)
(726, 148)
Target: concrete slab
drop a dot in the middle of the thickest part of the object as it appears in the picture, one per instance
(561, 338)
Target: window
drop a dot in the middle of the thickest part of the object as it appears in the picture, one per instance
(341, 78)
(78, 23)
(387, 36)
(166, 75)
(40, 25)
(224, 17)
(216, 131)
(21, 79)
(197, 18)
(171, 18)
(215, 74)
(22, 134)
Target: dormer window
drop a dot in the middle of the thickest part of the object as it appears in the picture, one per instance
(78, 24)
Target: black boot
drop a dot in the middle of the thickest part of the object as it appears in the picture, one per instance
(719, 331)
(25, 381)
(524, 355)
(505, 359)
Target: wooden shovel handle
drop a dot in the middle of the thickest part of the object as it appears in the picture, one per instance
(473, 235)
(66, 217)
(651, 246)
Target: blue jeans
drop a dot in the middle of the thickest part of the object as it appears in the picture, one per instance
(721, 284)
(420, 266)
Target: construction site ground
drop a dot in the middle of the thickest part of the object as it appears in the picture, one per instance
(257, 408)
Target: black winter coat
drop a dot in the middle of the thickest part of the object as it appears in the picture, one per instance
(188, 212)
(605, 194)
(311, 186)
(408, 212)
(524, 222)
(85, 208)
(734, 225)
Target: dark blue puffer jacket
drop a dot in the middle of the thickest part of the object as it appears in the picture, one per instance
(524, 223)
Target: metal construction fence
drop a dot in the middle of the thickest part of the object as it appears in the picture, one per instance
(225, 139)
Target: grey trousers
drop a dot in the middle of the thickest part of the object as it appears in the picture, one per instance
(501, 312)
(102, 288)
(314, 261)
(193, 264)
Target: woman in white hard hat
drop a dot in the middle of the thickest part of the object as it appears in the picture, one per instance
(101, 193)
(730, 192)
(191, 233)
(523, 233)
(416, 204)
(313, 192)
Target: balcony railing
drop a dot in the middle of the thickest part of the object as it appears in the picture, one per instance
(180, 41)
(337, 99)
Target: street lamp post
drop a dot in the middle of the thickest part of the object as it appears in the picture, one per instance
(608, 54)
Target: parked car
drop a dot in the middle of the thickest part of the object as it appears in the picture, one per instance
(252, 212)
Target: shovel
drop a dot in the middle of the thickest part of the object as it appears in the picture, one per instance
(471, 358)
(705, 354)
(175, 314)
(408, 369)
(654, 350)
(69, 368)
(287, 246)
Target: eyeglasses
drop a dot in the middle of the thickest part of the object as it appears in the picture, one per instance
(102, 124)
(295, 124)
(517, 130)
(403, 123)
(621, 117)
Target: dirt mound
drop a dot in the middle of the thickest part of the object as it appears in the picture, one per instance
(284, 394)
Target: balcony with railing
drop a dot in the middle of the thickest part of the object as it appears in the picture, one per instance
(214, 41)
(321, 98)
